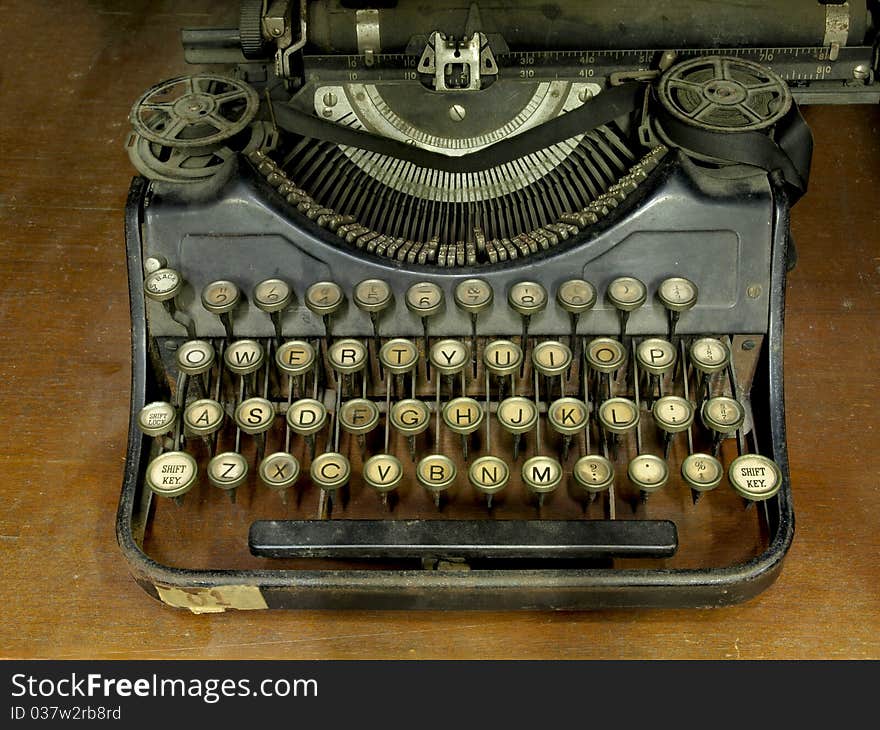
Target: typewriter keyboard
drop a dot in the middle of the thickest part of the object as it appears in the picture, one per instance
(341, 430)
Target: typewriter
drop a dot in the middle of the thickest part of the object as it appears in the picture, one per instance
(471, 305)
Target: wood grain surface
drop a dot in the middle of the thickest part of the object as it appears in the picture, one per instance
(68, 80)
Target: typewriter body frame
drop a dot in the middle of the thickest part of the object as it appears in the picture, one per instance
(246, 211)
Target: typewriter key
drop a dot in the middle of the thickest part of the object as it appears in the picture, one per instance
(678, 295)
(708, 356)
(172, 474)
(502, 358)
(527, 298)
(306, 416)
(244, 357)
(541, 475)
(399, 356)
(195, 357)
(489, 475)
(672, 414)
(551, 358)
(593, 473)
(163, 285)
(723, 416)
(449, 356)
(157, 419)
(702, 472)
(273, 296)
(279, 471)
(576, 297)
(436, 473)
(605, 355)
(463, 416)
(373, 296)
(347, 356)
(517, 415)
(203, 417)
(154, 263)
(474, 296)
(626, 294)
(383, 473)
(359, 416)
(425, 299)
(255, 415)
(220, 298)
(567, 416)
(330, 471)
(618, 415)
(228, 471)
(755, 477)
(648, 472)
(325, 298)
(411, 417)
(655, 356)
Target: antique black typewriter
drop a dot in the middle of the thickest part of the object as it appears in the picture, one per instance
(471, 305)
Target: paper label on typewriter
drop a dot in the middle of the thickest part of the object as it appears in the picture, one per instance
(213, 600)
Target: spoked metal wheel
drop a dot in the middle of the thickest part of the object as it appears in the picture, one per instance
(194, 111)
(724, 94)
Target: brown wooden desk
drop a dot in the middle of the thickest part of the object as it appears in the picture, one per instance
(68, 80)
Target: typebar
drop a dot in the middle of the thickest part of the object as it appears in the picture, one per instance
(374, 539)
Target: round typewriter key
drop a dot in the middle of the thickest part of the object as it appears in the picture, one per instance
(449, 356)
(244, 357)
(411, 417)
(551, 358)
(399, 356)
(228, 470)
(489, 475)
(195, 357)
(709, 355)
(424, 299)
(347, 356)
(306, 416)
(755, 477)
(279, 470)
(648, 472)
(473, 295)
(673, 413)
(172, 474)
(627, 293)
(527, 298)
(567, 415)
(220, 297)
(593, 473)
(359, 416)
(324, 298)
(295, 357)
(502, 357)
(576, 296)
(702, 472)
(517, 414)
(373, 295)
(677, 294)
(255, 415)
(605, 355)
(272, 295)
(163, 285)
(541, 474)
(655, 356)
(618, 415)
(154, 263)
(436, 473)
(157, 419)
(462, 415)
(723, 415)
(203, 417)
(383, 472)
(330, 471)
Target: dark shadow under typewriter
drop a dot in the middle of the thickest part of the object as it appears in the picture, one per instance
(399, 346)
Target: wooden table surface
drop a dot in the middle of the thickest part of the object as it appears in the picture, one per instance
(67, 83)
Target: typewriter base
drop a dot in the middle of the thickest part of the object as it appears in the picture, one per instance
(513, 586)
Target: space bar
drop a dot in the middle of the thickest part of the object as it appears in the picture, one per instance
(462, 538)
